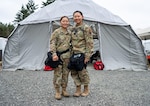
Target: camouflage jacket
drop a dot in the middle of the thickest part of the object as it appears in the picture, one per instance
(60, 41)
(82, 40)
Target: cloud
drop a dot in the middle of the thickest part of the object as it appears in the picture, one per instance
(134, 12)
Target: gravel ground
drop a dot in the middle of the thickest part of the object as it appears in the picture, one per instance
(107, 88)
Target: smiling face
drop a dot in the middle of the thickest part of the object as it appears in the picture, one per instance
(78, 17)
(64, 21)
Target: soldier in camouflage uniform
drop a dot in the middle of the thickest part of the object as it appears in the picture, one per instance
(60, 41)
(82, 42)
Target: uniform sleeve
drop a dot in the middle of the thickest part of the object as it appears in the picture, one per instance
(88, 42)
(53, 40)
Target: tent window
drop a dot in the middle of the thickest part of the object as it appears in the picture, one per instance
(94, 30)
(55, 24)
(94, 27)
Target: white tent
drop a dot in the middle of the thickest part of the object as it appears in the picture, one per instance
(3, 42)
(144, 34)
(146, 44)
(119, 46)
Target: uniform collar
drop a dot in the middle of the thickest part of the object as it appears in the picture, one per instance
(64, 31)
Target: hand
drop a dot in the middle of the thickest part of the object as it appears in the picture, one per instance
(55, 58)
(86, 60)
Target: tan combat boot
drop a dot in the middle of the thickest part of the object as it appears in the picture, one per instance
(78, 91)
(57, 94)
(64, 92)
(86, 91)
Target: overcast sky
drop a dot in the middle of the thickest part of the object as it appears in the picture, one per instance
(134, 12)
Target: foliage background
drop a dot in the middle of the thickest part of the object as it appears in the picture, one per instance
(25, 11)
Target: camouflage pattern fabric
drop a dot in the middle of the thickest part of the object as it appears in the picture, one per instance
(61, 74)
(60, 41)
(82, 42)
(80, 77)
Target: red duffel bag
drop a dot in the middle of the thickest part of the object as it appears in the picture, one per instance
(98, 65)
(47, 68)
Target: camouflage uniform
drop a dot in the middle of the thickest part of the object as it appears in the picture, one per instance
(82, 42)
(60, 41)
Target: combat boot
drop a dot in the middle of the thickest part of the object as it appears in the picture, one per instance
(57, 94)
(64, 92)
(86, 91)
(78, 91)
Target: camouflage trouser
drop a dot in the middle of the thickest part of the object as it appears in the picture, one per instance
(61, 74)
(80, 77)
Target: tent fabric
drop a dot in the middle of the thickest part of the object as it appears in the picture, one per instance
(119, 46)
(146, 44)
(26, 49)
(59, 8)
(144, 34)
(3, 42)
(123, 48)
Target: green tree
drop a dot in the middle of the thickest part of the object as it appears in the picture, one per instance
(47, 3)
(22, 14)
(29, 8)
(5, 29)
